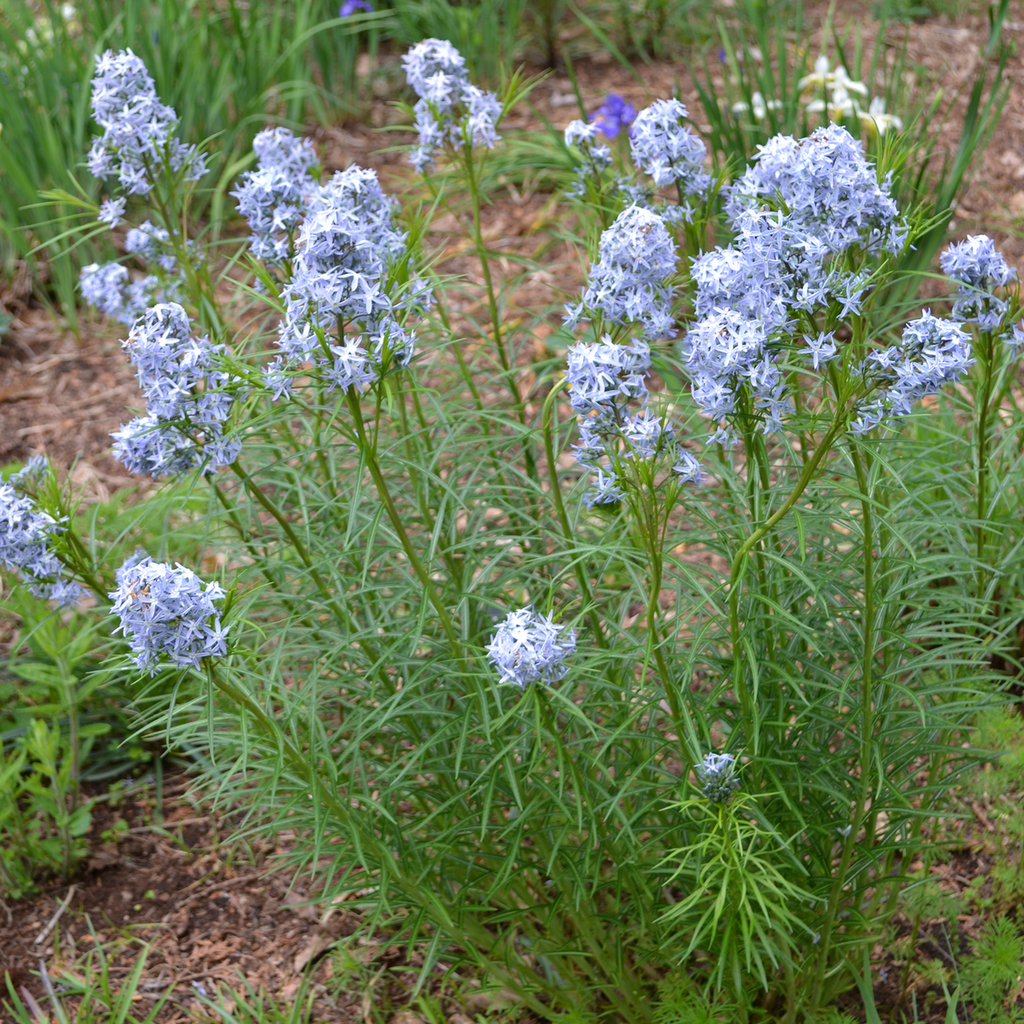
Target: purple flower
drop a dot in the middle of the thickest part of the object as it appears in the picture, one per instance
(350, 7)
(614, 115)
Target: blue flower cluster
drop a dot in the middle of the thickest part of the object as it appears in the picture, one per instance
(664, 146)
(631, 280)
(137, 144)
(166, 611)
(725, 351)
(110, 288)
(604, 378)
(805, 212)
(931, 353)
(27, 535)
(153, 244)
(188, 399)
(529, 648)
(111, 211)
(343, 251)
(978, 269)
(717, 777)
(825, 186)
(274, 198)
(450, 111)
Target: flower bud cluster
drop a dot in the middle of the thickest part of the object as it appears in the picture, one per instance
(631, 280)
(188, 399)
(450, 110)
(530, 648)
(137, 144)
(167, 612)
(717, 777)
(274, 198)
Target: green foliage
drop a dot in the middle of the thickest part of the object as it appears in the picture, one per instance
(748, 928)
(680, 1001)
(485, 33)
(834, 1016)
(994, 967)
(44, 740)
(256, 1006)
(531, 835)
(64, 720)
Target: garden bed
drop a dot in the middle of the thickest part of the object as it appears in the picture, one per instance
(215, 912)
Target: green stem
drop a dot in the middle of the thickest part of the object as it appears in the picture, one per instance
(982, 465)
(866, 732)
(505, 356)
(470, 934)
(547, 415)
(739, 561)
(631, 1003)
(399, 527)
(91, 579)
(654, 646)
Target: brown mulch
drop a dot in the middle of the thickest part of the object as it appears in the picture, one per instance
(63, 397)
(212, 918)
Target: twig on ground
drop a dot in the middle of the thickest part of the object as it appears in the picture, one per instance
(51, 924)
